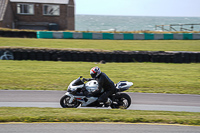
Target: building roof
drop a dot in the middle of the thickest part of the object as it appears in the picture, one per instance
(43, 1)
(3, 5)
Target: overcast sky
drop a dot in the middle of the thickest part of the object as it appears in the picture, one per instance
(189, 8)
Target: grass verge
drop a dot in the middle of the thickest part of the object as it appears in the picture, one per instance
(17, 114)
(147, 77)
(110, 45)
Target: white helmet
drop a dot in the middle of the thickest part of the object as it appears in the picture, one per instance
(95, 72)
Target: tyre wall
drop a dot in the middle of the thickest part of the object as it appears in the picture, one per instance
(115, 56)
(21, 34)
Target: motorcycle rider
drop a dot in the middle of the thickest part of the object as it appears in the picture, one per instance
(104, 82)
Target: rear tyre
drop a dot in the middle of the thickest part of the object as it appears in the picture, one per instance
(64, 102)
(122, 101)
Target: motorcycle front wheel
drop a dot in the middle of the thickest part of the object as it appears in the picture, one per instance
(64, 102)
(122, 101)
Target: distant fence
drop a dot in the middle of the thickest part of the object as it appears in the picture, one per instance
(89, 56)
(175, 27)
(117, 36)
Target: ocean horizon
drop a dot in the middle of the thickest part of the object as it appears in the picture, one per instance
(131, 23)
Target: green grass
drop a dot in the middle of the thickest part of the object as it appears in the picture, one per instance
(15, 114)
(111, 45)
(147, 77)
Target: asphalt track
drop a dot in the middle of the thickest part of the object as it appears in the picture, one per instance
(95, 128)
(140, 101)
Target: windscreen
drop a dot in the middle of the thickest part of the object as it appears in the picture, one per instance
(78, 82)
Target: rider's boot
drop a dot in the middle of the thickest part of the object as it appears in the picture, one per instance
(107, 103)
(100, 104)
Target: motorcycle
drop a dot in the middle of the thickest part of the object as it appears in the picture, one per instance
(75, 95)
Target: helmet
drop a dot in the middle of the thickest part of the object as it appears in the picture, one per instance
(95, 72)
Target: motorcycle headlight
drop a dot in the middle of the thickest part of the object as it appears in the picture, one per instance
(69, 89)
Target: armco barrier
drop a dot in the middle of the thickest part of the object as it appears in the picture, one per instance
(168, 37)
(115, 56)
(118, 36)
(99, 36)
(67, 35)
(128, 36)
(46, 34)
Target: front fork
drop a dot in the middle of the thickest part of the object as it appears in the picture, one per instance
(71, 97)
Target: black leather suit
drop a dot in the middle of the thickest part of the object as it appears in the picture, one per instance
(107, 84)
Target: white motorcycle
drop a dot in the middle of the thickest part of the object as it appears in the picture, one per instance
(75, 95)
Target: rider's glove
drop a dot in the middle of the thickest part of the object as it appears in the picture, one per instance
(84, 79)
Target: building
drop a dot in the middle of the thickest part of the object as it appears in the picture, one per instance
(37, 14)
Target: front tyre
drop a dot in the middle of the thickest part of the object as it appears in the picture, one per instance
(122, 101)
(64, 102)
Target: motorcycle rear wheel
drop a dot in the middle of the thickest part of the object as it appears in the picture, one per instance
(122, 101)
(64, 102)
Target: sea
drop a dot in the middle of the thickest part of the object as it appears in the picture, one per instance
(133, 23)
